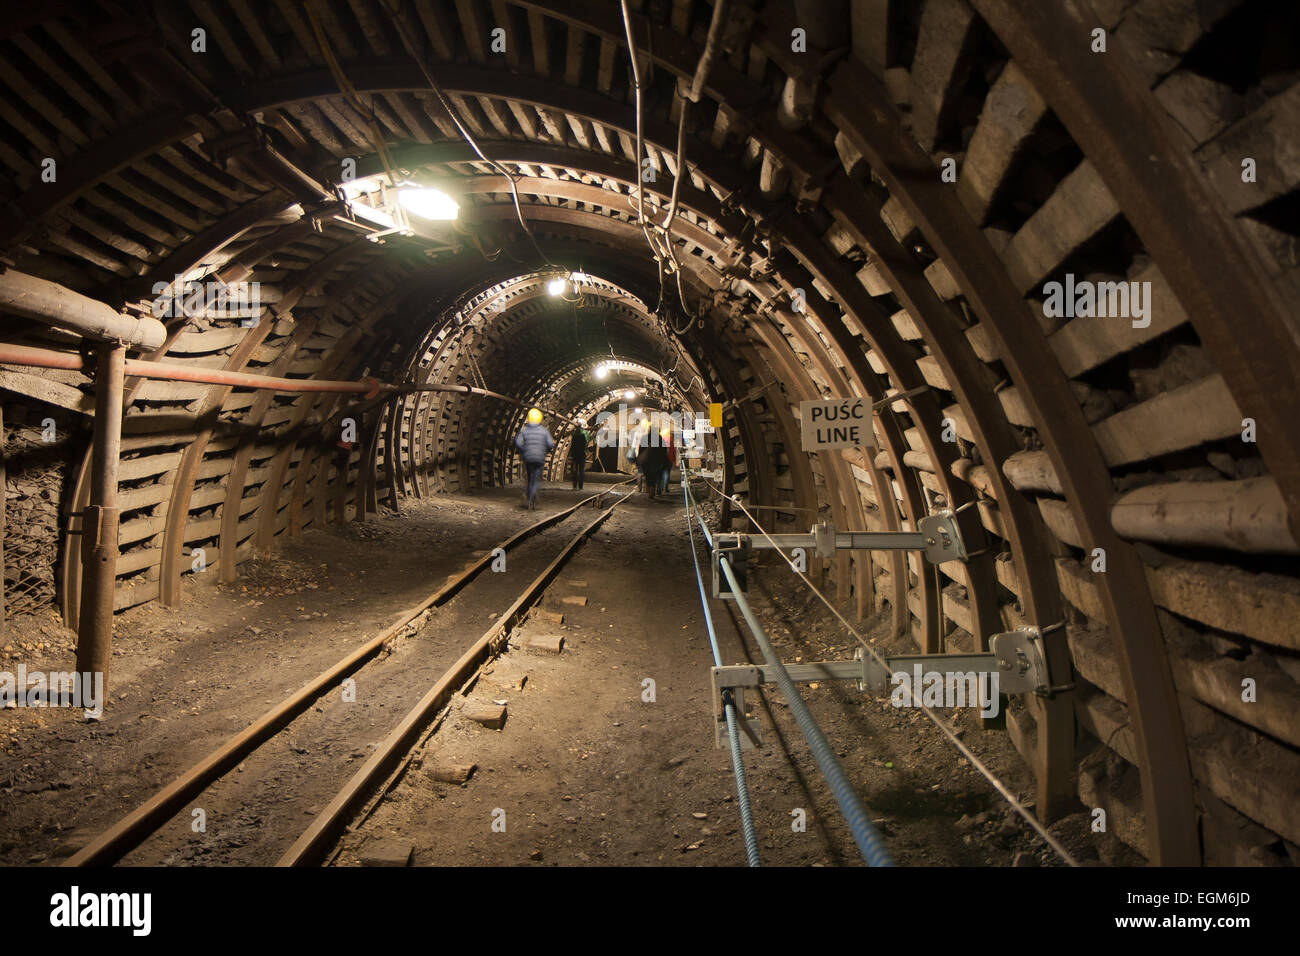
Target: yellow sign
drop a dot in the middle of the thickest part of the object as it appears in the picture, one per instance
(715, 414)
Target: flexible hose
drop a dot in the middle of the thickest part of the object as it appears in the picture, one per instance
(855, 813)
(865, 835)
(733, 731)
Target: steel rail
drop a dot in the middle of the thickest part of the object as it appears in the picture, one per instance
(131, 830)
(324, 830)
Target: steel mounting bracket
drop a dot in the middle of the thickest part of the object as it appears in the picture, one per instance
(942, 538)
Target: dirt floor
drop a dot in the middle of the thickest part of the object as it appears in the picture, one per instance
(606, 755)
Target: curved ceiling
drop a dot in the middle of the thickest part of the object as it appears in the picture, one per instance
(875, 219)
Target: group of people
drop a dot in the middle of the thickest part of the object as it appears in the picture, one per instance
(654, 459)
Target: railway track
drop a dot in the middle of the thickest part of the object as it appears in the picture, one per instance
(135, 828)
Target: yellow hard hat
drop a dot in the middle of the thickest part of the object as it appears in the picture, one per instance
(534, 416)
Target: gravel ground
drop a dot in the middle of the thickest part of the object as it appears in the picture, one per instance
(606, 756)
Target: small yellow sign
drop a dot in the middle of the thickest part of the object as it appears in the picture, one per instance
(715, 414)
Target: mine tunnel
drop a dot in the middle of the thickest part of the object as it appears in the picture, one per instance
(650, 433)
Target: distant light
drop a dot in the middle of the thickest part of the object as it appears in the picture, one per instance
(602, 371)
(636, 411)
(629, 395)
(556, 285)
(428, 203)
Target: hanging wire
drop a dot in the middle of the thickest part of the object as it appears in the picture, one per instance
(661, 232)
(348, 90)
(399, 22)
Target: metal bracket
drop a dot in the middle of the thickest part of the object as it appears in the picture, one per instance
(749, 727)
(735, 548)
(1015, 657)
(942, 538)
(938, 537)
(1022, 665)
(823, 540)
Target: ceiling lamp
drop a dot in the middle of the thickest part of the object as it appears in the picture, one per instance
(557, 286)
(602, 372)
(428, 203)
(629, 395)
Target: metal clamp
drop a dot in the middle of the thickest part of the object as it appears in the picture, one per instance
(735, 548)
(942, 537)
(1022, 665)
(824, 539)
(725, 692)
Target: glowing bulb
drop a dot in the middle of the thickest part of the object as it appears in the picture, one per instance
(629, 395)
(556, 285)
(428, 203)
(602, 371)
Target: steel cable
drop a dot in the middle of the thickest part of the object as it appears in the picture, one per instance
(733, 731)
(1003, 790)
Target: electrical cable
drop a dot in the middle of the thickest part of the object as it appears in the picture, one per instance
(399, 23)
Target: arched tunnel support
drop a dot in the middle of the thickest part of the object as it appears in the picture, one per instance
(872, 200)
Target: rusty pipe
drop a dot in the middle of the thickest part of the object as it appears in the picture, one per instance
(57, 305)
(166, 371)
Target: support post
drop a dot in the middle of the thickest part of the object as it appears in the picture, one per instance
(2, 521)
(99, 522)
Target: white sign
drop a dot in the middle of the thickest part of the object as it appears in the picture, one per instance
(703, 426)
(839, 423)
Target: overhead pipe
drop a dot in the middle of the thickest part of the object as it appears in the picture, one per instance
(164, 371)
(59, 306)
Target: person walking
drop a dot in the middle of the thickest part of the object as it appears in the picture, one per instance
(578, 453)
(653, 459)
(669, 440)
(534, 443)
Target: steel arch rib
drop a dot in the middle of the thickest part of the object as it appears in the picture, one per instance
(860, 108)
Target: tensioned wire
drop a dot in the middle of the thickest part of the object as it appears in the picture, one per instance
(1003, 790)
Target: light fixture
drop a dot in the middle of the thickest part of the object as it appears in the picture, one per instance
(602, 372)
(629, 395)
(428, 203)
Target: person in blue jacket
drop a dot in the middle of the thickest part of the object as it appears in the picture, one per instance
(534, 443)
